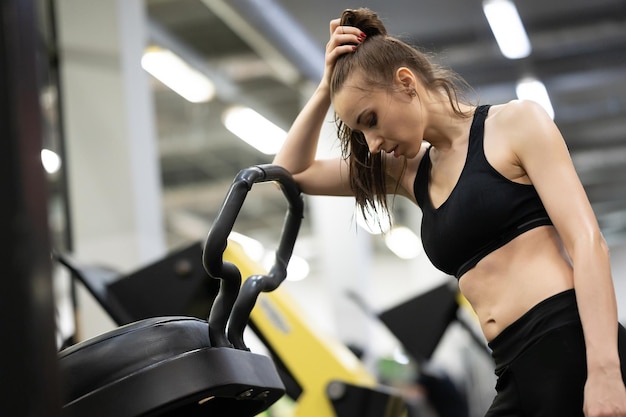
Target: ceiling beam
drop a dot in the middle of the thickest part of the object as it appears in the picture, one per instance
(276, 36)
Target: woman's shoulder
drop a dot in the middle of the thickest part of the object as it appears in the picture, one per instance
(517, 114)
(521, 121)
(516, 110)
(524, 130)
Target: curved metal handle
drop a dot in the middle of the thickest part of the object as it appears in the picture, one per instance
(217, 240)
(256, 284)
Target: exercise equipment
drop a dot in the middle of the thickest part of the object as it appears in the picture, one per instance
(173, 286)
(321, 375)
(431, 312)
(181, 366)
(164, 366)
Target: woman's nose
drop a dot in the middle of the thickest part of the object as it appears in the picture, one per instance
(374, 144)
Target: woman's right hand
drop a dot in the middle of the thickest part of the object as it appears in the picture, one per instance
(298, 154)
(343, 40)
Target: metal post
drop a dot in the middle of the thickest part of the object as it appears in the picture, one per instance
(28, 365)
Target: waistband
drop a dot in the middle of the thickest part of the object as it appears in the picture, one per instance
(553, 312)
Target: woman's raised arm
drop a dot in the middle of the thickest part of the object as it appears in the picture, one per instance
(298, 153)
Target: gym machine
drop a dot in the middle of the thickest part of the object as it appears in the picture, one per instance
(166, 360)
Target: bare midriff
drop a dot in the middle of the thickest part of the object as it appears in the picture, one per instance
(511, 280)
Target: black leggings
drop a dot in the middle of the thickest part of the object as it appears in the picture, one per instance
(541, 364)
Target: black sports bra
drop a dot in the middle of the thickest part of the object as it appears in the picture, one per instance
(484, 211)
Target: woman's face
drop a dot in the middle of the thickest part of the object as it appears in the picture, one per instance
(389, 120)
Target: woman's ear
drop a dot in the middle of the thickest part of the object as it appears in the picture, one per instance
(406, 80)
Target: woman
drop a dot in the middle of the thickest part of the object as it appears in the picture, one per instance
(503, 211)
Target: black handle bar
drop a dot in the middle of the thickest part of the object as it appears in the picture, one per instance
(217, 240)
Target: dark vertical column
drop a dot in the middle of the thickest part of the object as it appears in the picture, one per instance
(28, 364)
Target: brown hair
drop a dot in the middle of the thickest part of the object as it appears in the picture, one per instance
(376, 61)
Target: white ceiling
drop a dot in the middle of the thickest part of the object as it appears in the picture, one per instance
(268, 54)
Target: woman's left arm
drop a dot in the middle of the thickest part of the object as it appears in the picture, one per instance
(542, 153)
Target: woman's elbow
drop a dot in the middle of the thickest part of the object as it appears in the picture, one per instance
(592, 242)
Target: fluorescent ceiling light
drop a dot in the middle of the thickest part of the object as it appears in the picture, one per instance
(403, 242)
(297, 268)
(50, 160)
(400, 357)
(507, 27)
(535, 90)
(175, 73)
(254, 129)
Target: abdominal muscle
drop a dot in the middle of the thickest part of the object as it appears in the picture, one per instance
(511, 280)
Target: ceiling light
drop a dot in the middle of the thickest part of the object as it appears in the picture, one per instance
(50, 160)
(507, 27)
(254, 129)
(297, 269)
(533, 89)
(400, 357)
(403, 242)
(175, 73)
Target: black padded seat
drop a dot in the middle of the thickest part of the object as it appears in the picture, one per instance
(164, 366)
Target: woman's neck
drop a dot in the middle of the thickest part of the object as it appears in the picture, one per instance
(445, 128)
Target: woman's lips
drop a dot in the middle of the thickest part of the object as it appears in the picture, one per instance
(394, 151)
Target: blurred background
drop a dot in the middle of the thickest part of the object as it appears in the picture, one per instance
(140, 157)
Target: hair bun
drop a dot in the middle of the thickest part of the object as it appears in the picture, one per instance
(364, 19)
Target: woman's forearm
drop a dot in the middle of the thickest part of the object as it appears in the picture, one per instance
(597, 305)
(299, 149)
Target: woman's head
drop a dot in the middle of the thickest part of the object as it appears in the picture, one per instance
(377, 59)
(386, 67)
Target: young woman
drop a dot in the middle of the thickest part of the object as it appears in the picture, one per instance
(503, 211)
